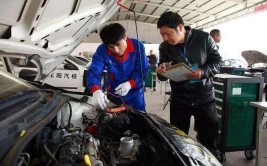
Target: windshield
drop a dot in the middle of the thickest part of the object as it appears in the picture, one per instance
(10, 85)
(77, 61)
(234, 63)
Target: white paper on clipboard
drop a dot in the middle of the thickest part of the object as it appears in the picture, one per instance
(177, 72)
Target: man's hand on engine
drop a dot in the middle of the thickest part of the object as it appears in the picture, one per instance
(100, 99)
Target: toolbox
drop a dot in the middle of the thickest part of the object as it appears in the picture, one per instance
(237, 119)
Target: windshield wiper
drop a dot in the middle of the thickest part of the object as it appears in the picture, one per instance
(18, 97)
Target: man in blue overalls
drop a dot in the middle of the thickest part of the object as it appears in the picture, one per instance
(126, 64)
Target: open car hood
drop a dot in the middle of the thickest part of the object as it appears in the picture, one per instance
(253, 57)
(47, 31)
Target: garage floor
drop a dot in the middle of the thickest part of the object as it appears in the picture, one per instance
(155, 103)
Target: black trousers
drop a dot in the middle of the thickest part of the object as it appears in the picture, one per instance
(206, 120)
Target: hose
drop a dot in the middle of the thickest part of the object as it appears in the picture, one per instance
(70, 113)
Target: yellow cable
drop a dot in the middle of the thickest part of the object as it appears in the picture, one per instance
(22, 133)
(87, 160)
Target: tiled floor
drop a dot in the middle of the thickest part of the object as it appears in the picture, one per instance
(155, 103)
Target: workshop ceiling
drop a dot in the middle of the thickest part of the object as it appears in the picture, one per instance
(199, 14)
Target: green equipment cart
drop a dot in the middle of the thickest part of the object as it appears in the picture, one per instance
(237, 119)
(151, 78)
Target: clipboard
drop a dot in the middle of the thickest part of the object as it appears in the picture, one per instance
(177, 72)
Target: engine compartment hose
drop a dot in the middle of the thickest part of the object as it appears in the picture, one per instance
(70, 113)
(87, 160)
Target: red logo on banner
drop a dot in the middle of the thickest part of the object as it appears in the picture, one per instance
(261, 7)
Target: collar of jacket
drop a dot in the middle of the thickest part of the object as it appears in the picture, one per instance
(129, 48)
(124, 57)
(188, 33)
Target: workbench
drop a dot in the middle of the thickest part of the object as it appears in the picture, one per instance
(261, 108)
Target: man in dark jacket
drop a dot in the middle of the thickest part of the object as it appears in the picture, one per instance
(194, 96)
(216, 35)
(152, 59)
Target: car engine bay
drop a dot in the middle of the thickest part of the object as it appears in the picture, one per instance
(109, 139)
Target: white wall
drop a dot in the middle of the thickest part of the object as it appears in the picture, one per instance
(146, 32)
(85, 47)
(91, 48)
(245, 33)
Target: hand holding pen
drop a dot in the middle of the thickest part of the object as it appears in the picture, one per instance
(163, 66)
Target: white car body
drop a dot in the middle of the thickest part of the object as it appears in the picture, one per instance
(48, 31)
(68, 79)
(68, 76)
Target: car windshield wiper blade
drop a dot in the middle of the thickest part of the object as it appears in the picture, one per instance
(18, 97)
(28, 92)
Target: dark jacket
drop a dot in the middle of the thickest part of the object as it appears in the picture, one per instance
(152, 60)
(200, 49)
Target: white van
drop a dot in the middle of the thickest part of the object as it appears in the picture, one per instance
(69, 75)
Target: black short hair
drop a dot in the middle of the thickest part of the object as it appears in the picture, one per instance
(112, 33)
(214, 32)
(170, 19)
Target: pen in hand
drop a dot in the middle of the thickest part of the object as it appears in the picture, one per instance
(162, 68)
(168, 64)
